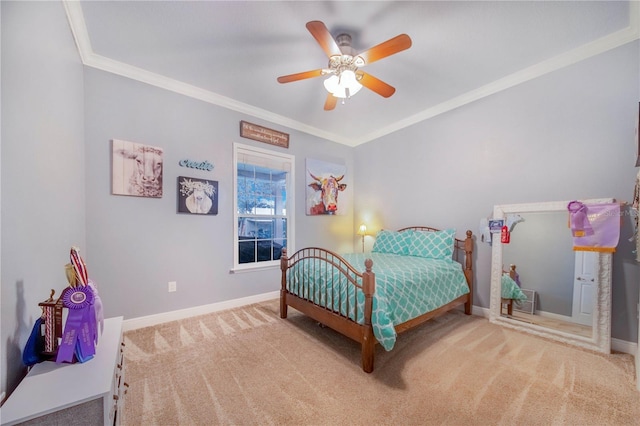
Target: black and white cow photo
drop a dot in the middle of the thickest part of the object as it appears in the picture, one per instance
(136, 169)
(197, 196)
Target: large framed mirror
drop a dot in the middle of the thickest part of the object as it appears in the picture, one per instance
(568, 292)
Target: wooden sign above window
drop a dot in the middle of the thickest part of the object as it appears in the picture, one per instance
(263, 134)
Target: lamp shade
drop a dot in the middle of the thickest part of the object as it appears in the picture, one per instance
(362, 230)
(343, 86)
(331, 84)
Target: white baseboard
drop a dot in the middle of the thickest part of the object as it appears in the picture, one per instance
(624, 346)
(480, 311)
(616, 344)
(151, 320)
(551, 315)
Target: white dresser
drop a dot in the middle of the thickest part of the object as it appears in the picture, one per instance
(90, 393)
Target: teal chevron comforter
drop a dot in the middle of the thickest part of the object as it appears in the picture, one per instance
(406, 287)
(510, 289)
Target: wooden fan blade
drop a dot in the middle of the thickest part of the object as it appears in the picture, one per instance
(330, 103)
(387, 48)
(322, 35)
(299, 76)
(377, 85)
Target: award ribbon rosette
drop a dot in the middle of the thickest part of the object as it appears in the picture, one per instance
(85, 312)
(78, 337)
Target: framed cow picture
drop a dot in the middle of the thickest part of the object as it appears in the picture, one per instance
(325, 181)
(197, 196)
(136, 169)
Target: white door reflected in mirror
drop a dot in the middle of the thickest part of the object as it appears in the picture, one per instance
(583, 288)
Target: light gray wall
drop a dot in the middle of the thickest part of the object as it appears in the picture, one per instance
(566, 135)
(135, 246)
(43, 201)
(526, 144)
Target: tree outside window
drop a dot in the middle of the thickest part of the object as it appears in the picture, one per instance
(262, 211)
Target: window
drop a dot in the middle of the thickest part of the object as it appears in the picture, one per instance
(263, 182)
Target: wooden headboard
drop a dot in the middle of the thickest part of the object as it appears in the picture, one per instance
(462, 251)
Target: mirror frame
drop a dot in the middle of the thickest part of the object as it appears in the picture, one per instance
(600, 339)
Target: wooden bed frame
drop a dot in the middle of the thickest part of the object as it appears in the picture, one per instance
(509, 302)
(365, 281)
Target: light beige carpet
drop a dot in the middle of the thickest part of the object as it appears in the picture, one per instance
(248, 367)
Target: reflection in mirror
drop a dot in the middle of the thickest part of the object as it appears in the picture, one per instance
(555, 295)
(567, 292)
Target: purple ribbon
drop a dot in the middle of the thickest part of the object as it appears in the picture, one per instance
(97, 306)
(79, 330)
(69, 337)
(604, 235)
(85, 345)
(579, 220)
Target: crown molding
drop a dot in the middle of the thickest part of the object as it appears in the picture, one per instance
(586, 51)
(89, 58)
(93, 60)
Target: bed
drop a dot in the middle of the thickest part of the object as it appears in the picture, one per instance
(510, 291)
(412, 275)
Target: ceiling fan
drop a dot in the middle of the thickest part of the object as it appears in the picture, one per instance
(346, 78)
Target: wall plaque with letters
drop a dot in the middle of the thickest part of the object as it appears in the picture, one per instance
(263, 134)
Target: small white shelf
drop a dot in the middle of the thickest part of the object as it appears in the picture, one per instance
(50, 387)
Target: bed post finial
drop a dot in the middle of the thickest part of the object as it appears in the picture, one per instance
(368, 264)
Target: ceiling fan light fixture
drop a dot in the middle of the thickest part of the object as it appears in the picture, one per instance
(343, 78)
(331, 84)
(343, 86)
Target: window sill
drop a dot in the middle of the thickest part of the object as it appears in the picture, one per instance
(242, 269)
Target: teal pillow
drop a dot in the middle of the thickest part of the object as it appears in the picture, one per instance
(392, 242)
(433, 245)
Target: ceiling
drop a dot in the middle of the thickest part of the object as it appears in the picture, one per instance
(229, 53)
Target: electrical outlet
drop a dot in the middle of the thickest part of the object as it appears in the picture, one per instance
(172, 286)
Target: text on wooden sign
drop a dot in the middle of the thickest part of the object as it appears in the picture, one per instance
(263, 134)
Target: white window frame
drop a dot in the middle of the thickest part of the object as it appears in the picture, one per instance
(275, 156)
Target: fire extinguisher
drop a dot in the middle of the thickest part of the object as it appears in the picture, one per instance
(505, 237)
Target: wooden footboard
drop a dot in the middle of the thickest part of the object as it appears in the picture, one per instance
(337, 314)
(334, 315)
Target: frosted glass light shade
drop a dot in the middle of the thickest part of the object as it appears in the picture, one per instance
(343, 86)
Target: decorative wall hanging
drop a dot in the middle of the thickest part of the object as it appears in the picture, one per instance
(263, 134)
(136, 169)
(200, 165)
(197, 196)
(324, 183)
